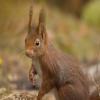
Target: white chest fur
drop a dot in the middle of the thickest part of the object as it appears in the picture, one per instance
(37, 67)
(38, 78)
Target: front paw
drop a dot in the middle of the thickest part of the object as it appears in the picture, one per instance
(32, 75)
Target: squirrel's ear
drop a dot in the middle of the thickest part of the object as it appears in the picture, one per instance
(42, 17)
(30, 19)
(42, 24)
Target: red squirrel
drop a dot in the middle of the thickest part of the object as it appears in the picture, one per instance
(56, 69)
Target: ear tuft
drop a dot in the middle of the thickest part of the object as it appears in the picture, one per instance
(30, 19)
(42, 16)
(42, 24)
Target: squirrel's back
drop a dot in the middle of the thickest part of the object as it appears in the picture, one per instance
(64, 68)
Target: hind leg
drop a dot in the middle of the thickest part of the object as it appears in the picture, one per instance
(72, 92)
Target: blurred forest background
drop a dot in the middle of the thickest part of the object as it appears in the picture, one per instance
(73, 25)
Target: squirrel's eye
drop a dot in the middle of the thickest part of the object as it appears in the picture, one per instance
(37, 42)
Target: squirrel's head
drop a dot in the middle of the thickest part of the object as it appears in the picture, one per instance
(36, 39)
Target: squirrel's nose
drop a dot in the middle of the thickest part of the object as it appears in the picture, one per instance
(29, 53)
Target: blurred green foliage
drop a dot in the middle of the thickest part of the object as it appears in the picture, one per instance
(91, 13)
(74, 7)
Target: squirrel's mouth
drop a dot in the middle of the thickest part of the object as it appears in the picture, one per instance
(29, 54)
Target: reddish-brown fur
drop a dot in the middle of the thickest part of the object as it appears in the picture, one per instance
(59, 70)
(95, 95)
(63, 72)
